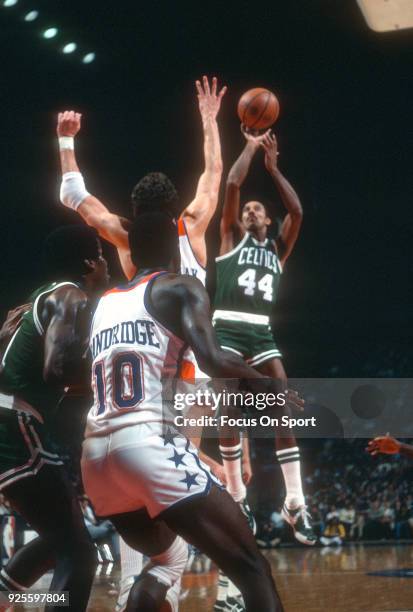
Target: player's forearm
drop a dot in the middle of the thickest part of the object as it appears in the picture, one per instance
(240, 168)
(287, 193)
(406, 450)
(212, 146)
(211, 177)
(68, 161)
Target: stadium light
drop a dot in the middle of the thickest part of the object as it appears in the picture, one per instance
(31, 16)
(88, 58)
(8, 3)
(50, 33)
(69, 48)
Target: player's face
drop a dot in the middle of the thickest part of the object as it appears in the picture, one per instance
(254, 216)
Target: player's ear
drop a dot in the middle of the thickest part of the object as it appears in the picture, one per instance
(267, 221)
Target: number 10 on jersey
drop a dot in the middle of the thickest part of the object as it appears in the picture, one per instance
(127, 387)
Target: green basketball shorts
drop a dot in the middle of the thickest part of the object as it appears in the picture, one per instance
(255, 343)
(24, 447)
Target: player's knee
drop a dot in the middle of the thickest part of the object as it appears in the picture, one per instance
(169, 566)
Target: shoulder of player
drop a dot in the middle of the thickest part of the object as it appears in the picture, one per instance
(65, 299)
(182, 285)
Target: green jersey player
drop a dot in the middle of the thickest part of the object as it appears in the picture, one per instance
(249, 269)
(41, 358)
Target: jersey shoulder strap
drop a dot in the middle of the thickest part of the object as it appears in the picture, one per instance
(39, 294)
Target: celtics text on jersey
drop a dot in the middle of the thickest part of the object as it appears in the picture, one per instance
(247, 281)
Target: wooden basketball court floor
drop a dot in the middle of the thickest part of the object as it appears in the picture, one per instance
(308, 579)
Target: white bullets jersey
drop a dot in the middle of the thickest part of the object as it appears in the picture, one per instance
(132, 354)
(189, 263)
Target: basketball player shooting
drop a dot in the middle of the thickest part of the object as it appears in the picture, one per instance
(248, 274)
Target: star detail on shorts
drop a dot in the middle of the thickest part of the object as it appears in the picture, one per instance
(177, 458)
(168, 437)
(189, 480)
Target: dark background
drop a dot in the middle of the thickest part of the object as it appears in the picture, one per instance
(343, 134)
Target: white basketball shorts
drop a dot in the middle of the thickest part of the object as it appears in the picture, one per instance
(142, 466)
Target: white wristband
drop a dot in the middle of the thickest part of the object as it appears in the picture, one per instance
(73, 190)
(66, 142)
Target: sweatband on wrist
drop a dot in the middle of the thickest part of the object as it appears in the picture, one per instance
(73, 190)
(66, 142)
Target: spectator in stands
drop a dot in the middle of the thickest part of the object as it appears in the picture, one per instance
(317, 520)
(403, 517)
(347, 516)
(334, 533)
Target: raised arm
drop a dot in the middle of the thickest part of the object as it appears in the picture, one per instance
(292, 222)
(73, 193)
(67, 313)
(231, 228)
(389, 446)
(200, 211)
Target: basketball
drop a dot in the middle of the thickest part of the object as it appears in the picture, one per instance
(258, 108)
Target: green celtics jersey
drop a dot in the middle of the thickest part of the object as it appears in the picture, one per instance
(22, 376)
(247, 281)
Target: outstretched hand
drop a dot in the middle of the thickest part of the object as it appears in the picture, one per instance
(68, 123)
(208, 98)
(383, 444)
(270, 146)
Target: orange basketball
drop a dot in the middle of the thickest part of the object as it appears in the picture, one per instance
(258, 108)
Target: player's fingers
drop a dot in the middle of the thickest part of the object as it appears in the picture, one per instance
(214, 86)
(206, 85)
(199, 87)
(222, 92)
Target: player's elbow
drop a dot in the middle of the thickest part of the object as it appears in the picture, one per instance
(73, 190)
(233, 182)
(209, 362)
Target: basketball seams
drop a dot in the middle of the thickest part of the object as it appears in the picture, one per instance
(251, 101)
(263, 110)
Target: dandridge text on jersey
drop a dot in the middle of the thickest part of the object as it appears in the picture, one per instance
(139, 332)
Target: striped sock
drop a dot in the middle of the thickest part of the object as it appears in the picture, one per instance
(289, 460)
(231, 458)
(220, 602)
